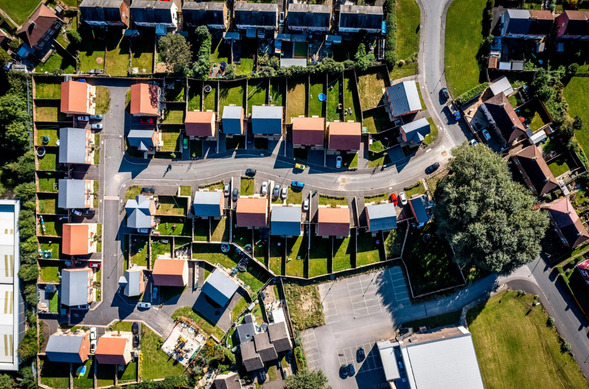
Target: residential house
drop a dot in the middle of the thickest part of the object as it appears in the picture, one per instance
(140, 212)
(68, 348)
(38, 31)
(255, 16)
(285, 221)
(212, 14)
(219, 288)
(308, 132)
(413, 133)
(78, 238)
(381, 217)
(75, 193)
(573, 25)
(251, 360)
(76, 146)
(252, 212)
(501, 115)
(266, 119)
(264, 347)
(227, 381)
(333, 222)
(280, 337)
(76, 286)
(145, 98)
(146, 13)
(309, 17)
(105, 13)
(246, 330)
(200, 124)
(114, 349)
(420, 210)
(402, 99)
(526, 24)
(135, 282)
(534, 171)
(78, 98)
(356, 18)
(344, 136)
(233, 120)
(147, 141)
(170, 272)
(208, 204)
(566, 222)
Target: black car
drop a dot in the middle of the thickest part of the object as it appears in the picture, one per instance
(445, 93)
(235, 194)
(135, 328)
(351, 370)
(135, 340)
(432, 168)
(343, 371)
(360, 354)
(250, 172)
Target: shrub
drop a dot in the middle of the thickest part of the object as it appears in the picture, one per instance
(390, 53)
(565, 347)
(550, 322)
(300, 359)
(74, 36)
(521, 293)
(471, 94)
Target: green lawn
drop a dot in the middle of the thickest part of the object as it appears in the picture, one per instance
(408, 19)
(176, 93)
(332, 200)
(123, 326)
(578, 99)
(295, 256)
(48, 184)
(54, 303)
(142, 57)
(275, 260)
(320, 252)
(102, 100)
(19, 11)
(210, 103)
(246, 67)
(220, 52)
(404, 71)
(433, 135)
(532, 114)
(55, 374)
(56, 61)
(239, 308)
(91, 54)
(220, 230)
(47, 113)
(231, 95)
(379, 198)
(160, 248)
(316, 107)
(333, 98)
(371, 88)
(219, 185)
(154, 362)
(463, 39)
(393, 241)
(139, 251)
(294, 197)
(201, 230)
(117, 57)
(173, 116)
(246, 186)
(297, 98)
(176, 226)
(204, 325)
(558, 166)
(418, 188)
(376, 120)
(194, 96)
(368, 250)
(45, 90)
(172, 205)
(130, 373)
(508, 334)
(276, 91)
(50, 271)
(342, 254)
(49, 160)
(51, 133)
(350, 100)
(256, 94)
(46, 204)
(170, 139)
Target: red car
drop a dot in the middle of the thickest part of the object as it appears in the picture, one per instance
(394, 198)
(146, 120)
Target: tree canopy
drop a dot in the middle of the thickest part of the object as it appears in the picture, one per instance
(307, 380)
(175, 52)
(487, 217)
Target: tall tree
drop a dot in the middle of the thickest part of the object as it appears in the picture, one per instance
(307, 380)
(175, 52)
(488, 218)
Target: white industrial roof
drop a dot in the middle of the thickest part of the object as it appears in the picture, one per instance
(386, 349)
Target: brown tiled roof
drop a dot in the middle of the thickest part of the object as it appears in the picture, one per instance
(567, 220)
(73, 97)
(505, 117)
(144, 99)
(577, 15)
(110, 350)
(493, 61)
(252, 212)
(344, 135)
(199, 123)
(541, 14)
(535, 167)
(169, 272)
(308, 131)
(333, 221)
(75, 239)
(37, 25)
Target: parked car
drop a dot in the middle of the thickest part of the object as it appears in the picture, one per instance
(93, 333)
(83, 306)
(403, 198)
(146, 120)
(298, 185)
(486, 135)
(445, 94)
(143, 230)
(265, 188)
(351, 370)
(360, 354)
(338, 162)
(457, 115)
(76, 212)
(227, 190)
(235, 194)
(394, 198)
(306, 205)
(343, 371)
(135, 340)
(144, 305)
(135, 328)
(283, 193)
(276, 191)
(250, 172)
(83, 118)
(472, 142)
(96, 117)
(432, 168)
(300, 166)
(93, 346)
(96, 126)
(95, 265)
(185, 143)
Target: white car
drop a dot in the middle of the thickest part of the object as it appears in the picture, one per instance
(144, 305)
(472, 142)
(93, 346)
(283, 193)
(96, 126)
(93, 333)
(403, 198)
(264, 188)
(306, 205)
(338, 162)
(486, 135)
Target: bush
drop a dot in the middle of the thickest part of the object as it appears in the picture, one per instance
(471, 94)
(300, 359)
(28, 347)
(200, 68)
(390, 53)
(550, 322)
(565, 347)
(74, 36)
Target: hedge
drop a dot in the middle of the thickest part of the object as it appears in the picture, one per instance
(390, 53)
(471, 94)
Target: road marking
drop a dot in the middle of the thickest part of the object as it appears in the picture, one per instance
(115, 198)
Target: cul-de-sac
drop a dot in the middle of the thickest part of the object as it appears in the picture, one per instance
(302, 194)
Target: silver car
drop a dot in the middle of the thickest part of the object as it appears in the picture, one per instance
(264, 188)
(403, 198)
(276, 192)
(283, 193)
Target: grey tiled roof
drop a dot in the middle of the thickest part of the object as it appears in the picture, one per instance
(219, 287)
(74, 287)
(285, 221)
(71, 194)
(382, 217)
(72, 145)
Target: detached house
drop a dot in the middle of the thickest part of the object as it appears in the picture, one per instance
(414, 133)
(212, 14)
(333, 222)
(135, 282)
(381, 217)
(309, 17)
(76, 286)
(566, 222)
(208, 204)
(114, 349)
(308, 132)
(534, 171)
(76, 146)
(233, 120)
(105, 13)
(255, 16)
(77, 98)
(252, 212)
(38, 31)
(170, 272)
(507, 125)
(573, 25)
(402, 99)
(219, 288)
(267, 119)
(200, 124)
(145, 98)
(356, 18)
(147, 141)
(68, 348)
(145, 13)
(344, 136)
(140, 212)
(526, 24)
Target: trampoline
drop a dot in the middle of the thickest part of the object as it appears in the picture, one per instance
(322, 97)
